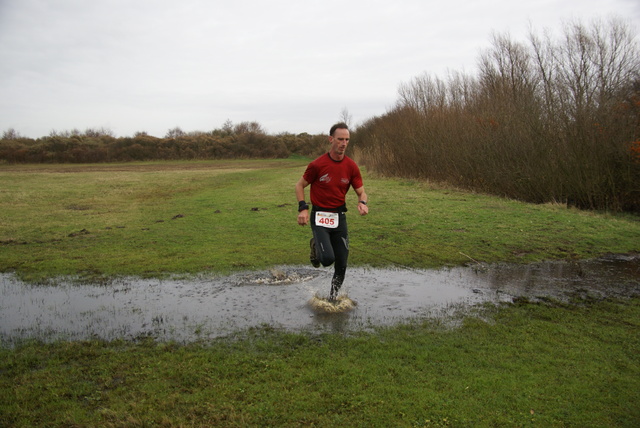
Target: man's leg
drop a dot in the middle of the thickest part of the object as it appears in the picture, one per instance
(336, 283)
(313, 258)
(323, 248)
(340, 244)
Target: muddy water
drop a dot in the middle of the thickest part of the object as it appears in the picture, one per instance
(201, 308)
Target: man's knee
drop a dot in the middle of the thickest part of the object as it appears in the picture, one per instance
(326, 259)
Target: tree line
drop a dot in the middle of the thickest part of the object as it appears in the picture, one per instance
(243, 140)
(553, 119)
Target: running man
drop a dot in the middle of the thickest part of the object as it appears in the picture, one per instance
(330, 176)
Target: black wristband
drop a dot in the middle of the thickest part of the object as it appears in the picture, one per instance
(363, 202)
(302, 205)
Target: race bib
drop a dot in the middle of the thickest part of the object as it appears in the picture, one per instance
(325, 219)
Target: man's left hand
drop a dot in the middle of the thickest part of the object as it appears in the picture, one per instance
(363, 209)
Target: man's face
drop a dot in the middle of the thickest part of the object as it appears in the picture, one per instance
(339, 141)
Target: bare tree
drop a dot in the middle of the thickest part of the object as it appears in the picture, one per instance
(248, 128)
(227, 127)
(175, 133)
(99, 132)
(11, 134)
(555, 119)
(345, 116)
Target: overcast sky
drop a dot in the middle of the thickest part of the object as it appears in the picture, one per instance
(290, 65)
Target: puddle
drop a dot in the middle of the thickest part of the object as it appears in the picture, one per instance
(201, 308)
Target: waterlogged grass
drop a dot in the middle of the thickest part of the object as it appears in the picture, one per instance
(522, 365)
(518, 365)
(152, 219)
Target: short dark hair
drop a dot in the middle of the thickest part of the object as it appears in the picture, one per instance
(339, 125)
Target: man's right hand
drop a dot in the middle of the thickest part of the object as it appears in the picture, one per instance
(303, 217)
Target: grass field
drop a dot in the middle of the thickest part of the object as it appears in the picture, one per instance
(521, 364)
(152, 219)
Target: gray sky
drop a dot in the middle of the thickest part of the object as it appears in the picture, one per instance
(291, 65)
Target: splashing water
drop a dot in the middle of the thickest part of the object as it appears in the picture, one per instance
(322, 305)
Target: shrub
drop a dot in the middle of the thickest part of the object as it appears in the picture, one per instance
(544, 121)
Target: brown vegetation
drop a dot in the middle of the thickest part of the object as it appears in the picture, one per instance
(244, 140)
(548, 121)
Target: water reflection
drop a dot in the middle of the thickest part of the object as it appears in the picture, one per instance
(201, 308)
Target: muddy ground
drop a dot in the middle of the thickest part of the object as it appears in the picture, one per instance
(187, 310)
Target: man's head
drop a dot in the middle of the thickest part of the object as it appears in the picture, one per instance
(339, 139)
(340, 125)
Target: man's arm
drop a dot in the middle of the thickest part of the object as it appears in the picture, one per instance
(303, 216)
(363, 209)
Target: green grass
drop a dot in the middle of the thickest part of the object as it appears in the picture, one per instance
(521, 364)
(152, 219)
(524, 365)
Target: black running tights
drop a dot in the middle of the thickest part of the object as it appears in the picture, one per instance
(332, 246)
